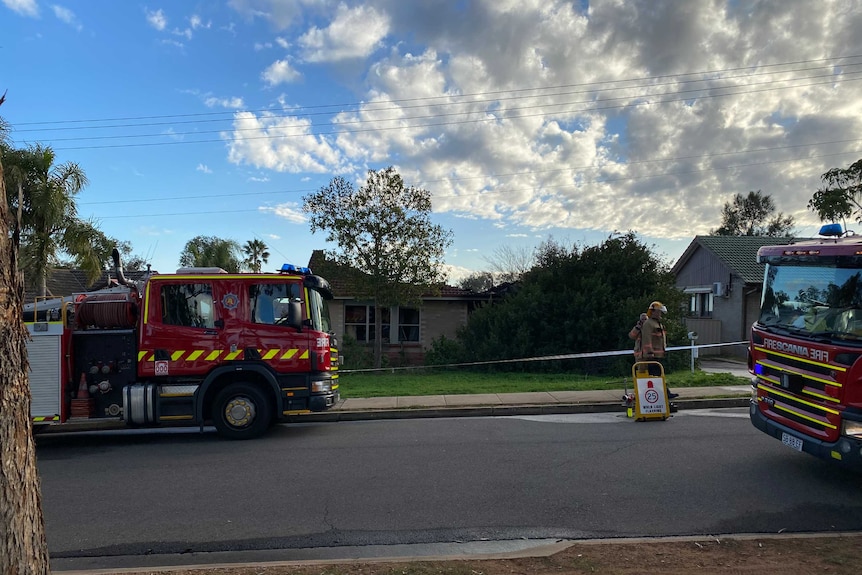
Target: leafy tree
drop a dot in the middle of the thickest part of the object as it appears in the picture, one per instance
(477, 282)
(256, 254)
(841, 194)
(574, 300)
(753, 215)
(23, 546)
(383, 229)
(211, 251)
(45, 201)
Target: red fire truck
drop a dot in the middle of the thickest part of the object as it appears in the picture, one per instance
(241, 351)
(806, 346)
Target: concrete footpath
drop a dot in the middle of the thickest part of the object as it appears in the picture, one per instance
(535, 403)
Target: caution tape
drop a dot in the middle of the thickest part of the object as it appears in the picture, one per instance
(541, 358)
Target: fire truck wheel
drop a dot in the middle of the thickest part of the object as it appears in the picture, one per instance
(241, 411)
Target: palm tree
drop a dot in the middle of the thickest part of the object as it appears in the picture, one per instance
(48, 212)
(256, 254)
(211, 251)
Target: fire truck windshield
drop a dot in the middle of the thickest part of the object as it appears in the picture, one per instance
(813, 300)
(318, 311)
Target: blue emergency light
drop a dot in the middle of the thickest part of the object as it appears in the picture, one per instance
(831, 230)
(292, 269)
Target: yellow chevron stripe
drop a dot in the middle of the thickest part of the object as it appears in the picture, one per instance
(792, 398)
(805, 391)
(304, 355)
(141, 354)
(289, 353)
(802, 359)
(213, 355)
(233, 355)
(811, 377)
(804, 416)
(271, 354)
(177, 355)
(195, 354)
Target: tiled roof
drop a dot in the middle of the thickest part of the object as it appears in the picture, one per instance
(344, 279)
(739, 253)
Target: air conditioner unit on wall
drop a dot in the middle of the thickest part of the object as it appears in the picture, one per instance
(718, 289)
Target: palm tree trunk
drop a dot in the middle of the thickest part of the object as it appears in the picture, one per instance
(23, 547)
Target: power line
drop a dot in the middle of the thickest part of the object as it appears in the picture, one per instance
(437, 124)
(485, 93)
(370, 107)
(488, 176)
(509, 191)
(451, 114)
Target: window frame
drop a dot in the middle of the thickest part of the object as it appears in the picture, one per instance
(352, 324)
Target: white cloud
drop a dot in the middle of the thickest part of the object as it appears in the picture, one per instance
(67, 16)
(23, 7)
(282, 42)
(279, 12)
(157, 19)
(280, 143)
(204, 168)
(196, 22)
(258, 46)
(353, 33)
(233, 102)
(186, 33)
(258, 179)
(279, 72)
(291, 211)
(535, 115)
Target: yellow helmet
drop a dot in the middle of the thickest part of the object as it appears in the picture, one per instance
(657, 305)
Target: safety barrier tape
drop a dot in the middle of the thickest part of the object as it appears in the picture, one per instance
(542, 358)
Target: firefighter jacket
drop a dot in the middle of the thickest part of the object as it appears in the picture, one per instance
(653, 340)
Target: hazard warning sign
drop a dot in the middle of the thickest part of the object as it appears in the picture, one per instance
(650, 397)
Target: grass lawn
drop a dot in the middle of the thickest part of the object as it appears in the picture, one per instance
(448, 382)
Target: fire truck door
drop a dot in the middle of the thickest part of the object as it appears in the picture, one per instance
(283, 347)
(184, 336)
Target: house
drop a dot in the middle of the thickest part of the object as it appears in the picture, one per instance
(724, 282)
(407, 330)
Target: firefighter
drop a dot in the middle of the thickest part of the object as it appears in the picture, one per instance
(654, 341)
(635, 334)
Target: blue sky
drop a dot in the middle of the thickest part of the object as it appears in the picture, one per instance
(526, 119)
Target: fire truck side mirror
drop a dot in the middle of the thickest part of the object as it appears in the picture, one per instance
(294, 315)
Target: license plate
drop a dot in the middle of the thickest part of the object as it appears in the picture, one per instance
(791, 441)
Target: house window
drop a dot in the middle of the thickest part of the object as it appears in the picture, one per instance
(408, 324)
(700, 305)
(189, 305)
(359, 323)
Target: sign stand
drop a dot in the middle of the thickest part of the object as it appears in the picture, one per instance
(651, 401)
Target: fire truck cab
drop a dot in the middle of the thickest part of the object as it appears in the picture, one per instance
(241, 351)
(806, 347)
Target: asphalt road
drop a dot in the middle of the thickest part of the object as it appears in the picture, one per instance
(146, 494)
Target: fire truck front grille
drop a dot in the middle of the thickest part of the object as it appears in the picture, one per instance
(802, 394)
